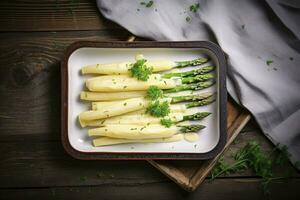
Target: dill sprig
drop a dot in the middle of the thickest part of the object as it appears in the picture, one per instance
(140, 70)
(158, 109)
(252, 157)
(154, 92)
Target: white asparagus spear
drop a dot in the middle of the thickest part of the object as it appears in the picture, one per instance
(110, 96)
(126, 83)
(102, 104)
(136, 119)
(123, 67)
(134, 131)
(114, 109)
(105, 141)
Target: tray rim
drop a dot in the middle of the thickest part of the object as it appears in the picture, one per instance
(215, 49)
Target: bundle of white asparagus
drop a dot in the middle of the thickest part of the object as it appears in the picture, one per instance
(132, 105)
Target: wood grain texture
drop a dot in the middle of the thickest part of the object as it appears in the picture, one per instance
(30, 81)
(33, 164)
(49, 15)
(233, 189)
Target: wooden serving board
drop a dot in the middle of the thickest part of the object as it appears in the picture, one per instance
(189, 174)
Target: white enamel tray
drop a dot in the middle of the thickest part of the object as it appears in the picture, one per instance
(75, 139)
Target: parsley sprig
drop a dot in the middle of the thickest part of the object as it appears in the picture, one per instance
(158, 109)
(154, 92)
(166, 122)
(140, 70)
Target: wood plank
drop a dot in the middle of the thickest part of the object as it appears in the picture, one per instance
(56, 15)
(30, 80)
(30, 163)
(45, 164)
(233, 189)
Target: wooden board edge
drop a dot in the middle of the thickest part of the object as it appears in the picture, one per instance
(173, 173)
(201, 174)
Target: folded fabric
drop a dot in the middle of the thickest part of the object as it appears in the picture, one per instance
(264, 65)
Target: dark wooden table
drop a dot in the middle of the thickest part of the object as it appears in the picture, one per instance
(33, 36)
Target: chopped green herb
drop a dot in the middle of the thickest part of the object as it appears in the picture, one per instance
(133, 129)
(140, 71)
(194, 8)
(166, 122)
(158, 109)
(125, 104)
(142, 128)
(125, 86)
(269, 62)
(148, 4)
(154, 92)
(188, 19)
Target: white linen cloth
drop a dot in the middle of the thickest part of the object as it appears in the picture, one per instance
(261, 39)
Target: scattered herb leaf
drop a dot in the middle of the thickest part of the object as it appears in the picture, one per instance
(147, 4)
(188, 19)
(194, 8)
(269, 62)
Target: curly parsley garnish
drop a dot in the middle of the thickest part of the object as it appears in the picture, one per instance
(154, 92)
(140, 71)
(158, 109)
(166, 122)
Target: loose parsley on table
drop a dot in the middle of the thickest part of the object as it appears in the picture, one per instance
(140, 70)
(154, 92)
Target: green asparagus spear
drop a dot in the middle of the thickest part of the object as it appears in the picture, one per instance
(201, 102)
(190, 128)
(203, 70)
(194, 86)
(195, 62)
(195, 97)
(198, 78)
(196, 116)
